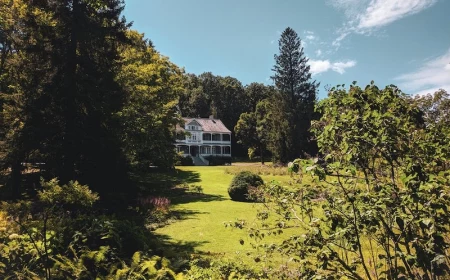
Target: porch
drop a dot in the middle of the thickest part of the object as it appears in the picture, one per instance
(204, 150)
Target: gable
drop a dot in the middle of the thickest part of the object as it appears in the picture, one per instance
(193, 122)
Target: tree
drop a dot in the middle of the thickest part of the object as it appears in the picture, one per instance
(222, 97)
(68, 93)
(254, 93)
(246, 133)
(22, 74)
(383, 204)
(153, 85)
(436, 108)
(436, 114)
(194, 102)
(293, 79)
(253, 128)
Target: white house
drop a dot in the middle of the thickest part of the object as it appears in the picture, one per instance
(205, 137)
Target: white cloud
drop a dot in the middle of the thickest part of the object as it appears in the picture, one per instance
(310, 37)
(431, 76)
(320, 66)
(319, 52)
(365, 16)
(383, 12)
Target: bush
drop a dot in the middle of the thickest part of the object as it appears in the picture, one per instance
(218, 160)
(241, 183)
(183, 161)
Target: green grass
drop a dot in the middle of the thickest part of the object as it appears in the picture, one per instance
(200, 227)
(202, 217)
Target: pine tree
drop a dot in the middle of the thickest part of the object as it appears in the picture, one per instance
(69, 96)
(293, 80)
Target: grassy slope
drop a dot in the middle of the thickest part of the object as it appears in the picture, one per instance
(205, 225)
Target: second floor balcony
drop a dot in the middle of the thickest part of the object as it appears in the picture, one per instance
(205, 137)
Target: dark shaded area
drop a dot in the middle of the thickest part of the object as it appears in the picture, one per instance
(173, 184)
(177, 186)
(161, 182)
(174, 249)
(187, 197)
(185, 214)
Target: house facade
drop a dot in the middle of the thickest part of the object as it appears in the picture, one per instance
(203, 137)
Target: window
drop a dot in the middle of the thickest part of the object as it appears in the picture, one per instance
(216, 137)
(226, 137)
(207, 137)
(217, 150)
(226, 150)
(206, 150)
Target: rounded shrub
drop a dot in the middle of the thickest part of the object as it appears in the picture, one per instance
(239, 187)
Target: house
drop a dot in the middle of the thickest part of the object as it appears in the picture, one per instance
(201, 138)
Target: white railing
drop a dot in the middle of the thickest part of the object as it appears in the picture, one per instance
(216, 141)
(193, 141)
(209, 142)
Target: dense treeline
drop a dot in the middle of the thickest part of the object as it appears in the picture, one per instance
(89, 98)
(83, 94)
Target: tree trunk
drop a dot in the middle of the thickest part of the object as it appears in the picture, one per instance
(16, 179)
(68, 172)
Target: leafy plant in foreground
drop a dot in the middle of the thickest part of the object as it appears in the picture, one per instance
(379, 210)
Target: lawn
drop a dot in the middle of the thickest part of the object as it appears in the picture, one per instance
(201, 225)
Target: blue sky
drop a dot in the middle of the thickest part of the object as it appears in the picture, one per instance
(402, 42)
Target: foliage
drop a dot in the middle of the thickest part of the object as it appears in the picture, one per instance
(152, 84)
(61, 236)
(62, 90)
(436, 114)
(183, 161)
(218, 160)
(296, 101)
(208, 94)
(221, 269)
(155, 209)
(241, 185)
(379, 210)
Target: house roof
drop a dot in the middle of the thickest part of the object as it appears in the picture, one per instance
(208, 125)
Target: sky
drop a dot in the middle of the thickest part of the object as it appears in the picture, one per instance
(401, 42)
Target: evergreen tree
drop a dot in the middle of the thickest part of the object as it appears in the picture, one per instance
(293, 80)
(69, 96)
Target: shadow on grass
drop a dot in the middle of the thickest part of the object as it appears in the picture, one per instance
(157, 182)
(165, 246)
(177, 185)
(188, 197)
(174, 185)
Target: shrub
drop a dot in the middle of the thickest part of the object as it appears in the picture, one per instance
(183, 161)
(241, 183)
(156, 209)
(218, 160)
